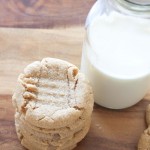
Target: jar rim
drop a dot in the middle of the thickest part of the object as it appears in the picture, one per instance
(139, 2)
(131, 8)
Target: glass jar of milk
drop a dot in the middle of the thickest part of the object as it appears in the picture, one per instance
(116, 52)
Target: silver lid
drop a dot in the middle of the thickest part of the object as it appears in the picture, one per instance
(140, 2)
(137, 7)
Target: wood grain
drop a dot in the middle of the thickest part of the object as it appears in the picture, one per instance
(20, 47)
(110, 130)
(43, 13)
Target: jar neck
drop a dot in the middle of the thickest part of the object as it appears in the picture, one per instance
(139, 2)
(135, 7)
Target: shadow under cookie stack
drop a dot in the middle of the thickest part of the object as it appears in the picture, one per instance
(53, 103)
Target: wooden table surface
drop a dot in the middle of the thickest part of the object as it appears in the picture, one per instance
(110, 129)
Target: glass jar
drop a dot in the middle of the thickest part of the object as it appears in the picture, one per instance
(116, 52)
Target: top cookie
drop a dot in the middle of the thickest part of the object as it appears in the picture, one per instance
(52, 93)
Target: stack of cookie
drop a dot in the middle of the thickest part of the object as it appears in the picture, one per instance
(53, 102)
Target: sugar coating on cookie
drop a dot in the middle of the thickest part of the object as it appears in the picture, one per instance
(53, 103)
(52, 92)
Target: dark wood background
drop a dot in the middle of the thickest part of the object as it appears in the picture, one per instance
(64, 21)
(43, 13)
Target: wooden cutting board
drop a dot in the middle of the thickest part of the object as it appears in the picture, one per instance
(110, 129)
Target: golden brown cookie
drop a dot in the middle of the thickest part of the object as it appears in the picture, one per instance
(52, 97)
(53, 141)
(54, 136)
(144, 142)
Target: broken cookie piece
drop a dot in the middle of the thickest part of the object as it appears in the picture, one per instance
(53, 102)
(144, 142)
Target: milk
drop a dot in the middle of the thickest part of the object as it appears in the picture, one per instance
(116, 59)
